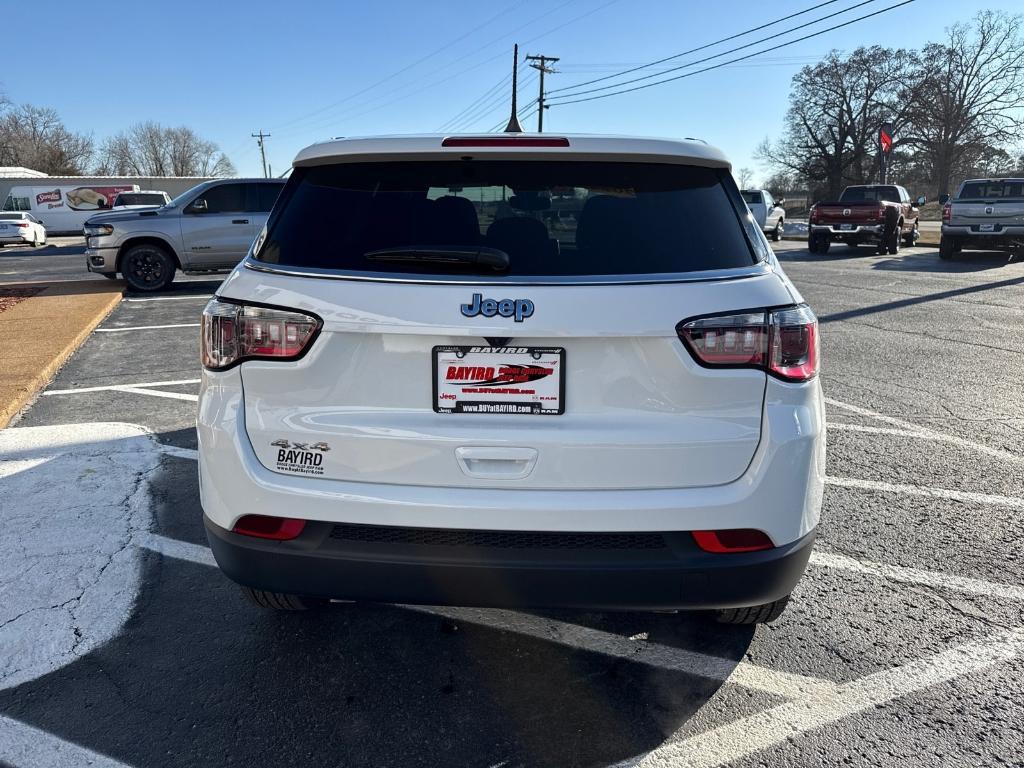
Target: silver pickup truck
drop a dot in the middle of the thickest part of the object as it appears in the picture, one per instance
(209, 227)
(985, 215)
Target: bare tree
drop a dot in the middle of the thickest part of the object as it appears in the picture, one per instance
(970, 102)
(35, 137)
(745, 177)
(149, 149)
(835, 110)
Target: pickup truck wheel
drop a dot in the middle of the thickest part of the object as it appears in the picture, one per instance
(147, 267)
(758, 614)
(893, 244)
(777, 232)
(948, 248)
(818, 244)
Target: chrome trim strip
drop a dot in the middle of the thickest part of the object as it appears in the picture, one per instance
(754, 270)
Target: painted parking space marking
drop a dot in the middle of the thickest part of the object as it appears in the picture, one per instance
(169, 298)
(747, 735)
(119, 387)
(927, 491)
(159, 393)
(146, 327)
(934, 434)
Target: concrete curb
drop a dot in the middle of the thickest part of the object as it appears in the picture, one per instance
(39, 334)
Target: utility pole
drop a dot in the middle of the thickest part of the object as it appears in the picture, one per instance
(263, 153)
(540, 63)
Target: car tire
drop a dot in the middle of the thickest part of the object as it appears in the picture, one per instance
(777, 232)
(756, 614)
(910, 239)
(280, 601)
(893, 246)
(35, 241)
(948, 248)
(818, 244)
(147, 267)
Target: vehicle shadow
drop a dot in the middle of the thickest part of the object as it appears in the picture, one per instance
(927, 260)
(44, 250)
(839, 252)
(198, 676)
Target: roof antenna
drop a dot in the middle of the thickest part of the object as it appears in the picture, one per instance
(513, 122)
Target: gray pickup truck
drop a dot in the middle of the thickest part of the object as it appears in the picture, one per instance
(985, 215)
(209, 227)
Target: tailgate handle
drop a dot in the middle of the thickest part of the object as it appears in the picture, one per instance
(496, 463)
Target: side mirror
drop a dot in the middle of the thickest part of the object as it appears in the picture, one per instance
(943, 198)
(781, 203)
(199, 204)
(921, 200)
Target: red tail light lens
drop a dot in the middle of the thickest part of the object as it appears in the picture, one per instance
(266, 527)
(814, 214)
(947, 212)
(733, 540)
(782, 342)
(232, 333)
(880, 213)
(22, 224)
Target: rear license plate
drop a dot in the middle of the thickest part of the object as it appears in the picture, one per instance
(499, 380)
(846, 226)
(987, 227)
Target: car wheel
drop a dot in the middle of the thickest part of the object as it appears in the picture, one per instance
(35, 241)
(777, 232)
(948, 248)
(280, 601)
(757, 614)
(893, 246)
(910, 239)
(147, 268)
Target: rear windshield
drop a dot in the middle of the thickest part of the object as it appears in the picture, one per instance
(992, 190)
(869, 195)
(139, 198)
(550, 218)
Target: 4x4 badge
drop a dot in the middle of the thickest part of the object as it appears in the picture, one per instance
(322, 447)
(520, 309)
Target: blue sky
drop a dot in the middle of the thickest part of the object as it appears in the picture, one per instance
(305, 71)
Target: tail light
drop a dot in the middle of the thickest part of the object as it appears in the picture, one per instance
(22, 224)
(267, 527)
(880, 213)
(233, 333)
(947, 213)
(782, 342)
(815, 218)
(733, 540)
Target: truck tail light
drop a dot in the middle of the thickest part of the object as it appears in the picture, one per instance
(947, 213)
(814, 217)
(733, 540)
(880, 213)
(234, 332)
(782, 342)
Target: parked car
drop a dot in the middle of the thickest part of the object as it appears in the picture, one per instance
(882, 215)
(986, 214)
(209, 227)
(146, 198)
(416, 389)
(20, 228)
(769, 215)
(64, 208)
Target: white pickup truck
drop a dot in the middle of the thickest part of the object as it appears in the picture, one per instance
(985, 215)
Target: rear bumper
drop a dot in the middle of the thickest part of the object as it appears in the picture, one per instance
(383, 564)
(859, 232)
(971, 237)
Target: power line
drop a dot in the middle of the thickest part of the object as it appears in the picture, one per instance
(731, 61)
(477, 102)
(499, 100)
(717, 55)
(696, 50)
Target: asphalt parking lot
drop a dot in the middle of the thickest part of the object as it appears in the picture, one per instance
(902, 646)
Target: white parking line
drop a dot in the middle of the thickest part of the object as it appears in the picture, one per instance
(172, 298)
(933, 434)
(740, 738)
(120, 387)
(934, 579)
(22, 746)
(146, 327)
(843, 427)
(159, 393)
(927, 491)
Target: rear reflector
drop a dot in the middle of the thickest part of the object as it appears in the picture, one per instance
(504, 141)
(783, 342)
(266, 527)
(733, 540)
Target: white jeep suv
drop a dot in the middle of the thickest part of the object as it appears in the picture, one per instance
(419, 389)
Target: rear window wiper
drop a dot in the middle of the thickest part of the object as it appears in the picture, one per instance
(476, 255)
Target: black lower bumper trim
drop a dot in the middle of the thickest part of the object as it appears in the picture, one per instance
(401, 569)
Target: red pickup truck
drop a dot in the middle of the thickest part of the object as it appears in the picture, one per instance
(877, 214)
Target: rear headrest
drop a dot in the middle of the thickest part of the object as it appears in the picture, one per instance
(452, 219)
(606, 222)
(523, 238)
